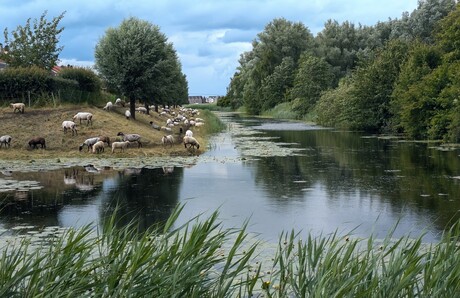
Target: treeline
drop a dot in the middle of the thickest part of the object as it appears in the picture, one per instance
(398, 76)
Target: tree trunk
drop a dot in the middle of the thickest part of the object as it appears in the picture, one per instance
(132, 108)
(147, 108)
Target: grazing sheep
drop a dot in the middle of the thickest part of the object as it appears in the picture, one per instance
(141, 110)
(119, 102)
(167, 129)
(18, 106)
(169, 139)
(120, 145)
(127, 114)
(108, 106)
(69, 125)
(189, 133)
(154, 126)
(6, 139)
(98, 147)
(131, 137)
(105, 139)
(198, 124)
(192, 142)
(89, 143)
(84, 116)
(34, 142)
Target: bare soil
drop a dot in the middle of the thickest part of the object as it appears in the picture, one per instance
(47, 122)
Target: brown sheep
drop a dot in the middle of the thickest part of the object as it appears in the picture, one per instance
(34, 142)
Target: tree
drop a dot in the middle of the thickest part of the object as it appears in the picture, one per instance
(136, 60)
(34, 45)
(261, 69)
(313, 76)
(373, 86)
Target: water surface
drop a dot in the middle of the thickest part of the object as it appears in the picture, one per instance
(327, 181)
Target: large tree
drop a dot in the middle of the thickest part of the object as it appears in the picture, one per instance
(34, 44)
(137, 61)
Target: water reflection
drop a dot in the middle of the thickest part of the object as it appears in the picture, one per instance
(341, 181)
(84, 197)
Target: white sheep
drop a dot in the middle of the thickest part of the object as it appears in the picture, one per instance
(198, 124)
(169, 139)
(192, 142)
(108, 106)
(154, 126)
(18, 106)
(6, 139)
(133, 137)
(89, 143)
(69, 125)
(98, 147)
(167, 129)
(119, 102)
(84, 116)
(127, 114)
(189, 133)
(142, 110)
(120, 145)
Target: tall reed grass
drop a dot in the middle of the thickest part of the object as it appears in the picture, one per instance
(202, 259)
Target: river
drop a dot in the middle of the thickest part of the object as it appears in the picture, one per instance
(276, 175)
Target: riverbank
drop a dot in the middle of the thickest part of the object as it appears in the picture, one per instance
(46, 122)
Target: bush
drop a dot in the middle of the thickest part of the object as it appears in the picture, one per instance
(20, 84)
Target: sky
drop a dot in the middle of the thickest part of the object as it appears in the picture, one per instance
(208, 35)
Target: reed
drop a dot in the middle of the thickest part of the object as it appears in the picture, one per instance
(202, 259)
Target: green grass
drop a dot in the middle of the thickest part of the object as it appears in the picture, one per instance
(281, 111)
(202, 259)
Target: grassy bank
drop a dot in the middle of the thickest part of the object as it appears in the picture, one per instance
(46, 122)
(201, 259)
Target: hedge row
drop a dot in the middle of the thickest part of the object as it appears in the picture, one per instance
(38, 87)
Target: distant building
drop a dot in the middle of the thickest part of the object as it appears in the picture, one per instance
(196, 99)
(213, 98)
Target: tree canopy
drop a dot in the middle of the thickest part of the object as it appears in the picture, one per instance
(34, 44)
(136, 60)
(396, 76)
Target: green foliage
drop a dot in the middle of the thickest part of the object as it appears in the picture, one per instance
(313, 76)
(267, 70)
(392, 82)
(20, 83)
(34, 45)
(333, 109)
(202, 259)
(275, 85)
(373, 86)
(86, 78)
(281, 111)
(137, 60)
(448, 35)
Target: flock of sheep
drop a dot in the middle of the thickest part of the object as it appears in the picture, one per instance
(98, 144)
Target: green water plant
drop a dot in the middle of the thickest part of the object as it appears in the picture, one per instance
(200, 258)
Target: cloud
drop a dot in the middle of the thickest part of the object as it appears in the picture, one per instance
(209, 36)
